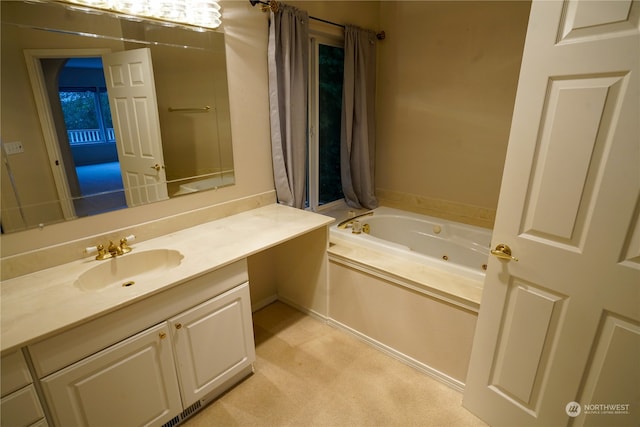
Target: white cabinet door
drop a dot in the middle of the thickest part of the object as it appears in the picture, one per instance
(213, 342)
(132, 383)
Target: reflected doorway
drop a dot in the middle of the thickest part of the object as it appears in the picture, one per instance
(131, 102)
(89, 137)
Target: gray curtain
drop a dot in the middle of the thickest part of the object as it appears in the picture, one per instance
(357, 145)
(288, 56)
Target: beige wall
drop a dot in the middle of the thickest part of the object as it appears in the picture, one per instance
(365, 14)
(202, 81)
(31, 171)
(25, 128)
(447, 76)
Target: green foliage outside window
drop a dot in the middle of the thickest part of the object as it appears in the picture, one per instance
(79, 109)
(103, 98)
(331, 69)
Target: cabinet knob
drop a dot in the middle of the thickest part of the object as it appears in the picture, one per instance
(162, 335)
(178, 325)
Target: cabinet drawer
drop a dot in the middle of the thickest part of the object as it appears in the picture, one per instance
(15, 373)
(74, 344)
(21, 408)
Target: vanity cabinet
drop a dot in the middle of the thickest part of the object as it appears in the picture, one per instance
(132, 383)
(155, 362)
(19, 405)
(213, 343)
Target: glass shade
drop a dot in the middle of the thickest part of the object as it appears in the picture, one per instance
(198, 13)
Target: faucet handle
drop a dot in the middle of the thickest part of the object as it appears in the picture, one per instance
(124, 247)
(99, 250)
(102, 253)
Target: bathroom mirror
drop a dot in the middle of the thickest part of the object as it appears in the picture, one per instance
(101, 112)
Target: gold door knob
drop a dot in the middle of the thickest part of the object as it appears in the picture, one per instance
(162, 335)
(157, 167)
(503, 251)
(178, 325)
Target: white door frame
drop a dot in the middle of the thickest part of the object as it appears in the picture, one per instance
(43, 106)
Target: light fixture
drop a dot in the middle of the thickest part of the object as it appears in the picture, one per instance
(196, 13)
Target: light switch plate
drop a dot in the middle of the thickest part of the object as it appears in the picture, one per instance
(14, 147)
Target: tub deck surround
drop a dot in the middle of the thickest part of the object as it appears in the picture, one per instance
(46, 302)
(386, 253)
(455, 289)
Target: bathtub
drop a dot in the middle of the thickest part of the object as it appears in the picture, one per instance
(445, 245)
(410, 287)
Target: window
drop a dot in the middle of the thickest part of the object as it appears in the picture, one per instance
(86, 115)
(325, 115)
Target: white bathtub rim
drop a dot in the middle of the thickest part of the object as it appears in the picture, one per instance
(381, 244)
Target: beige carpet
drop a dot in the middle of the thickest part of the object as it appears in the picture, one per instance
(310, 374)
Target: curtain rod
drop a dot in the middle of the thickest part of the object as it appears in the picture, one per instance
(273, 5)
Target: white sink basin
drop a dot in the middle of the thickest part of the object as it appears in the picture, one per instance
(128, 270)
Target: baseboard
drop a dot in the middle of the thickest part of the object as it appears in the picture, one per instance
(263, 303)
(309, 312)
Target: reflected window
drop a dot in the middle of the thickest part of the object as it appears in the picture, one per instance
(87, 115)
(86, 105)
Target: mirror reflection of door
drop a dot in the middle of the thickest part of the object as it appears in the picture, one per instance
(132, 98)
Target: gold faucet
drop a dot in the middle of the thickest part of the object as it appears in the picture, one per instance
(349, 221)
(102, 253)
(113, 250)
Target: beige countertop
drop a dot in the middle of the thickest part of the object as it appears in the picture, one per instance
(46, 302)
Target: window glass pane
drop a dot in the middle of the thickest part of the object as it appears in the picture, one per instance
(79, 109)
(104, 107)
(331, 67)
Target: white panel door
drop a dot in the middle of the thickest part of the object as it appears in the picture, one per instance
(213, 342)
(132, 383)
(136, 122)
(558, 333)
